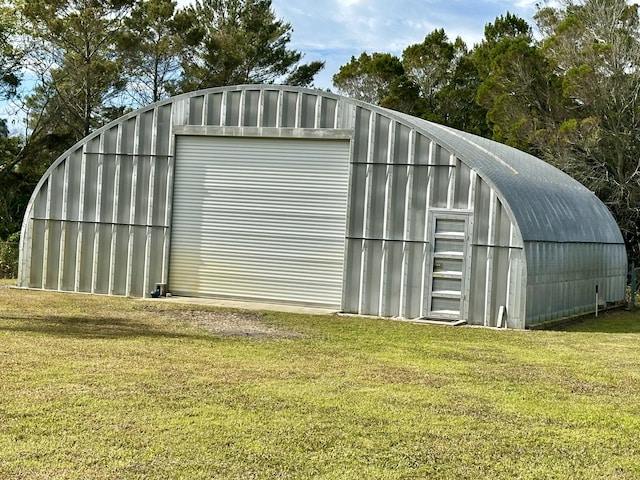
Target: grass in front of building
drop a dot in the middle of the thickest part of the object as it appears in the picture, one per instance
(104, 387)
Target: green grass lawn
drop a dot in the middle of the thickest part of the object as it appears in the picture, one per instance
(104, 387)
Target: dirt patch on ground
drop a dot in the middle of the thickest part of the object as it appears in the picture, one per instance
(231, 323)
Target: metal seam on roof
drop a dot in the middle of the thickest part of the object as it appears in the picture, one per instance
(491, 154)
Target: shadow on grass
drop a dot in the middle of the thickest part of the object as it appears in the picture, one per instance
(91, 328)
(610, 321)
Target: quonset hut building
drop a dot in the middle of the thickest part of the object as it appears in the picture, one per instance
(285, 194)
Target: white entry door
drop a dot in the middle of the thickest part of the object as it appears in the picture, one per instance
(449, 244)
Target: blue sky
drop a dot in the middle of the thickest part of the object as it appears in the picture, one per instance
(335, 30)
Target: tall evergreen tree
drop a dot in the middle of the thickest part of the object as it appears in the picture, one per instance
(448, 81)
(594, 47)
(10, 56)
(518, 88)
(151, 48)
(430, 65)
(369, 78)
(230, 42)
(79, 66)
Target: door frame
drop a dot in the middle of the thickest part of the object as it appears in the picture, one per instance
(433, 216)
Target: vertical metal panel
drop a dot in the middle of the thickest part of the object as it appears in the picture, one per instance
(441, 177)
(168, 210)
(328, 113)
(78, 287)
(462, 187)
(109, 185)
(113, 252)
(371, 272)
(415, 229)
(141, 188)
(85, 256)
(132, 213)
(53, 255)
(251, 108)
(559, 285)
(37, 244)
(120, 272)
(270, 112)
(391, 297)
(414, 279)
(68, 261)
(395, 217)
(47, 225)
(260, 218)
(97, 158)
(406, 246)
(195, 110)
(90, 191)
(124, 198)
(63, 230)
(308, 104)
(149, 262)
(477, 283)
(353, 267)
(491, 241)
(214, 109)
(146, 133)
(356, 214)
(240, 107)
(288, 109)
(232, 117)
(102, 246)
(368, 274)
(161, 185)
(136, 273)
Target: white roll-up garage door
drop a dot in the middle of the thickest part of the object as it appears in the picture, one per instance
(259, 218)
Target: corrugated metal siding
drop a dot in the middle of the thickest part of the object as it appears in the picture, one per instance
(399, 178)
(100, 218)
(96, 222)
(562, 278)
(565, 210)
(260, 218)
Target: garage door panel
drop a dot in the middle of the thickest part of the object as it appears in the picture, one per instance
(275, 197)
(260, 218)
(265, 217)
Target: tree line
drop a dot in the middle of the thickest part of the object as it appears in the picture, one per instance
(567, 93)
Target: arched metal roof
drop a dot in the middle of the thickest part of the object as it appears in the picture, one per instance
(547, 204)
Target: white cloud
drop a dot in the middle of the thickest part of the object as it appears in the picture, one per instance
(334, 30)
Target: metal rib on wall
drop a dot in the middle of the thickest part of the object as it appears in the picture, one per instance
(98, 220)
(399, 178)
